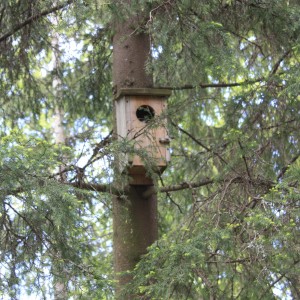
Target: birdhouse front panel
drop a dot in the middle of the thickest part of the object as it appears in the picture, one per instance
(141, 120)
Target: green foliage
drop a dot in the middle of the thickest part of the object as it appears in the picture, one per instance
(234, 121)
(43, 220)
(223, 245)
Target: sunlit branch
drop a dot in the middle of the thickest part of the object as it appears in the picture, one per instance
(234, 261)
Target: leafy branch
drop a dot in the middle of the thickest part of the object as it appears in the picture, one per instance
(235, 84)
(33, 18)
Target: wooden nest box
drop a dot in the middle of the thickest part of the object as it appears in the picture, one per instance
(141, 123)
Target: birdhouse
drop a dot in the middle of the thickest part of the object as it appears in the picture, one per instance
(141, 122)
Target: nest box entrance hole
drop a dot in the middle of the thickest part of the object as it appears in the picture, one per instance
(145, 113)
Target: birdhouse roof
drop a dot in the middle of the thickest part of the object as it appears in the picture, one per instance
(157, 92)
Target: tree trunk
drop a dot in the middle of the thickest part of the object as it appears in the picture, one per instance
(135, 213)
(131, 49)
(59, 135)
(135, 228)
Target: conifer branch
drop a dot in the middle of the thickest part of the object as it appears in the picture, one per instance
(169, 196)
(96, 187)
(199, 142)
(285, 168)
(111, 189)
(277, 64)
(232, 84)
(107, 188)
(186, 185)
(33, 18)
(214, 85)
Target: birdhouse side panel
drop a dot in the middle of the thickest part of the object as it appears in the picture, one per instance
(147, 135)
(122, 131)
(121, 116)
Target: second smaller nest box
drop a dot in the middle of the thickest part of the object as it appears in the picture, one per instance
(141, 121)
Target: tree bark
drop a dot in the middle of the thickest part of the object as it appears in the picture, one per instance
(59, 135)
(135, 213)
(135, 229)
(131, 49)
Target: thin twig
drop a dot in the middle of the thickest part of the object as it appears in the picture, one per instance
(244, 158)
(277, 280)
(199, 142)
(169, 196)
(277, 64)
(285, 168)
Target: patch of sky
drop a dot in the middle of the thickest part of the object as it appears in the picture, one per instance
(242, 119)
(214, 120)
(72, 49)
(280, 289)
(16, 41)
(259, 101)
(156, 51)
(275, 153)
(292, 140)
(274, 103)
(226, 94)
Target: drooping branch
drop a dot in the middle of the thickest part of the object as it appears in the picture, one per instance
(285, 168)
(169, 195)
(281, 59)
(198, 142)
(33, 18)
(280, 277)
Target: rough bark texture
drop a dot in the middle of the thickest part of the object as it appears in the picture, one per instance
(134, 214)
(135, 228)
(131, 49)
(59, 134)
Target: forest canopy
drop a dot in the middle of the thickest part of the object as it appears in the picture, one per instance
(228, 201)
